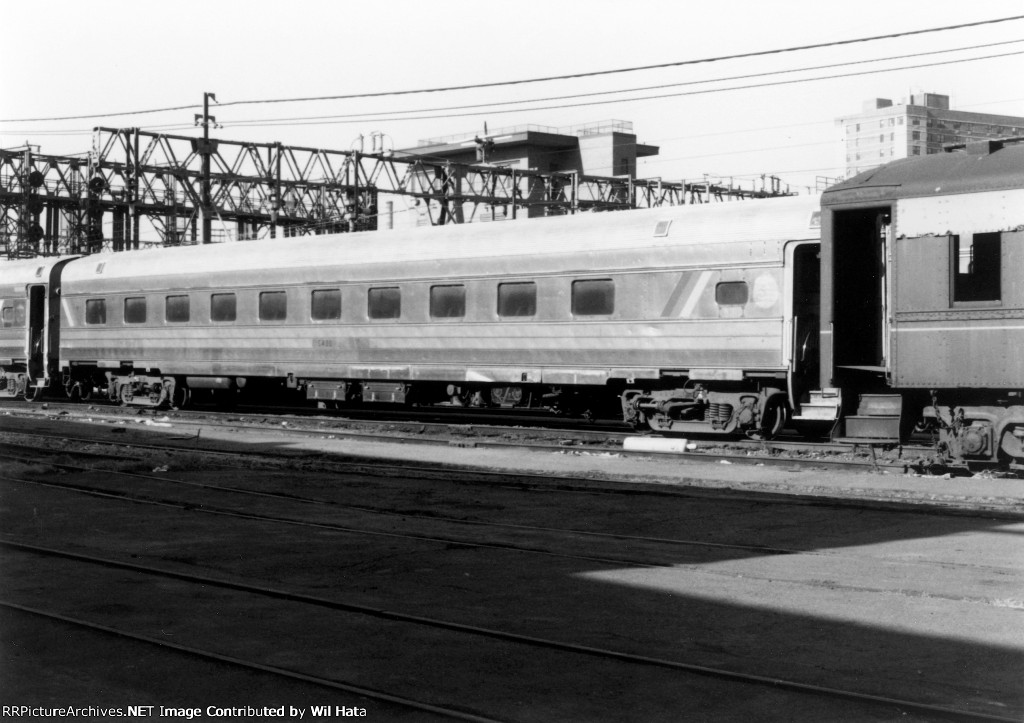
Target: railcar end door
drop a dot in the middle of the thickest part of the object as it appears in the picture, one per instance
(803, 278)
(36, 351)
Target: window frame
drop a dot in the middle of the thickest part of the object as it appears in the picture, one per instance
(582, 298)
(269, 306)
(977, 286)
(215, 306)
(314, 306)
(131, 310)
(90, 317)
(384, 302)
(17, 308)
(168, 306)
(444, 303)
(500, 298)
(722, 286)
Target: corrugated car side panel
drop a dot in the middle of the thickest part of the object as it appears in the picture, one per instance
(666, 314)
(654, 326)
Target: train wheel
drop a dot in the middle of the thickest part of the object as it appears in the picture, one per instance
(125, 394)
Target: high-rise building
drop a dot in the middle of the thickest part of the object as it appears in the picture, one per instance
(884, 131)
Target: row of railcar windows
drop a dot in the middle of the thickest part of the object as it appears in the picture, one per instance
(590, 297)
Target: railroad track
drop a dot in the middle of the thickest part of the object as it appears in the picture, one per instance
(194, 506)
(206, 655)
(40, 440)
(130, 492)
(467, 433)
(204, 583)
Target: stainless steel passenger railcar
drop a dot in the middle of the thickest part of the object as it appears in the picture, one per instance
(695, 317)
(29, 334)
(684, 319)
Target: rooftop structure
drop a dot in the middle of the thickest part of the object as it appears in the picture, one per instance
(603, 148)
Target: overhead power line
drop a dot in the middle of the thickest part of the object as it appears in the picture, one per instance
(570, 76)
(494, 107)
(495, 104)
(562, 106)
(658, 66)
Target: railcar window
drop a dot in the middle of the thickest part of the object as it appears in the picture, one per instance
(384, 303)
(732, 293)
(325, 304)
(448, 302)
(96, 311)
(13, 313)
(273, 305)
(223, 307)
(978, 270)
(591, 297)
(135, 310)
(517, 299)
(176, 308)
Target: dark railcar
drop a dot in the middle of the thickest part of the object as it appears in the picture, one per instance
(922, 317)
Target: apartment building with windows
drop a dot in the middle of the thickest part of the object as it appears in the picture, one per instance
(884, 131)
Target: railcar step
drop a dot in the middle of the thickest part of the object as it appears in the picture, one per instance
(880, 405)
(873, 427)
(823, 406)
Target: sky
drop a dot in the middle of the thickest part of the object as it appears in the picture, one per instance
(63, 59)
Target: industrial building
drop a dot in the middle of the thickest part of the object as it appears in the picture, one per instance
(603, 148)
(884, 131)
(607, 148)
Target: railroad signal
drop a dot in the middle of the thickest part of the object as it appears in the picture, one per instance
(484, 147)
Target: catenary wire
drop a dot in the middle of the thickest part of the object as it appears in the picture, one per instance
(638, 68)
(662, 96)
(637, 89)
(494, 108)
(569, 76)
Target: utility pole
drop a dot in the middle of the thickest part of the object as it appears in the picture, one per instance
(206, 150)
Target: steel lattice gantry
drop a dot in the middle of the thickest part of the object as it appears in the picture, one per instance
(135, 181)
(41, 209)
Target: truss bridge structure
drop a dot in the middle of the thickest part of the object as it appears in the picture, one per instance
(137, 188)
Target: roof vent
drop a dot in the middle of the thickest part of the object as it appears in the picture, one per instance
(984, 147)
(981, 148)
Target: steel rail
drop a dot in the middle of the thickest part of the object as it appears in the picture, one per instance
(476, 544)
(584, 432)
(405, 515)
(688, 486)
(587, 650)
(251, 665)
(251, 516)
(741, 457)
